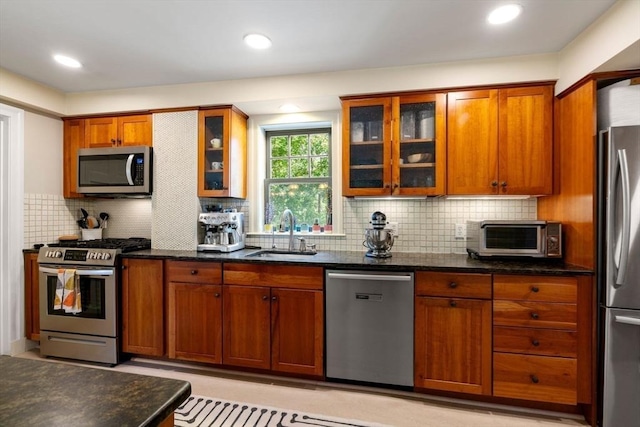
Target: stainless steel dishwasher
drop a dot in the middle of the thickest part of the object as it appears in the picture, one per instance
(369, 326)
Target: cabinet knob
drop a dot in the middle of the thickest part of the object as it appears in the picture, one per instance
(265, 297)
(534, 316)
(453, 285)
(119, 142)
(123, 267)
(453, 304)
(113, 141)
(396, 185)
(534, 379)
(274, 298)
(494, 183)
(387, 186)
(503, 184)
(535, 289)
(535, 342)
(194, 271)
(217, 295)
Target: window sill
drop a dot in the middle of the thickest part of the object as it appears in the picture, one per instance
(299, 234)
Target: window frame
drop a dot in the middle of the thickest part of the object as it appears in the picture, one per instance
(305, 180)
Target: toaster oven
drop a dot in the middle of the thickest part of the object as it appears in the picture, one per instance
(514, 238)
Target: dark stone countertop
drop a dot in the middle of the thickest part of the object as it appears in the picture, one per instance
(398, 261)
(41, 393)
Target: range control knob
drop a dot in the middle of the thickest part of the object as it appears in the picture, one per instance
(57, 254)
(106, 256)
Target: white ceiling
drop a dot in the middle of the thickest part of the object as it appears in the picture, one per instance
(134, 43)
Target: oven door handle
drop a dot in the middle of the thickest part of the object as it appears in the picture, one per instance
(79, 272)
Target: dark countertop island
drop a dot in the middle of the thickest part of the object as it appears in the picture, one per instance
(40, 393)
(398, 261)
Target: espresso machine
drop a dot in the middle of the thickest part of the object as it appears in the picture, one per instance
(221, 231)
(378, 239)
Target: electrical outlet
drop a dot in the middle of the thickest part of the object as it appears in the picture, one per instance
(394, 227)
(460, 231)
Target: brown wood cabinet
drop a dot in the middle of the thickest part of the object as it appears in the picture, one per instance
(99, 132)
(499, 141)
(31, 296)
(394, 145)
(143, 307)
(118, 131)
(194, 317)
(74, 139)
(222, 152)
(453, 332)
(535, 321)
(273, 318)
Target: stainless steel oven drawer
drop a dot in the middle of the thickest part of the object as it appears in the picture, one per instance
(79, 347)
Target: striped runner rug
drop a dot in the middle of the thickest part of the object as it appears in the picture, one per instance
(201, 411)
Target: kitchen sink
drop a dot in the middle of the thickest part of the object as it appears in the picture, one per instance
(279, 254)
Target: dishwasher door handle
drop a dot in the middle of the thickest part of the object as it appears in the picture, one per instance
(380, 277)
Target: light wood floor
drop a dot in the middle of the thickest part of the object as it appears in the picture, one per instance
(401, 409)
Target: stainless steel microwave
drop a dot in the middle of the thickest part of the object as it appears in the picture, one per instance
(117, 171)
(514, 238)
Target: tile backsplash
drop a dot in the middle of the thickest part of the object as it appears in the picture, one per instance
(425, 225)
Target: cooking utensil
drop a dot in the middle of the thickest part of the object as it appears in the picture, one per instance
(103, 217)
(82, 223)
(85, 214)
(92, 222)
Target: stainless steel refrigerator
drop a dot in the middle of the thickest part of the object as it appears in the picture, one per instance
(619, 271)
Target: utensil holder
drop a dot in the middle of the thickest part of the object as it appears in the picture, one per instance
(91, 233)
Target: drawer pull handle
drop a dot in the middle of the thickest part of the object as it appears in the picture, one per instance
(535, 343)
(535, 289)
(453, 304)
(194, 272)
(453, 285)
(534, 316)
(534, 379)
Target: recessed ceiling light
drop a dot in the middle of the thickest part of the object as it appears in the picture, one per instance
(289, 108)
(504, 14)
(257, 41)
(69, 62)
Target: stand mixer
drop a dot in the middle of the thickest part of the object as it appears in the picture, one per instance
(221, 231)
(378, 239)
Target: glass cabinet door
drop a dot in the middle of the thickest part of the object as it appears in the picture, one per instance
(366, 147)
(214, 152)
(419, 145)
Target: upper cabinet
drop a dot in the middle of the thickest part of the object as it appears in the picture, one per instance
(499, 141)
(97, 132)
(222, 152)
(118, 131)
(394, 145)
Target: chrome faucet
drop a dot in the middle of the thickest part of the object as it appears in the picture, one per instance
(292, 222)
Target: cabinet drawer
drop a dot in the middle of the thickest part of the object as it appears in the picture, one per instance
(194, 272)
(453, 285)
(535, 288)
(289, 276)
(541, 378)
(535, 314)
(541, 342)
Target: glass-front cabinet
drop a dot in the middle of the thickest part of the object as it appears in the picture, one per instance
(222, 152)
(394, 146)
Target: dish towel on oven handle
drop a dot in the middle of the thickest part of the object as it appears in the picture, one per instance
(68, 292)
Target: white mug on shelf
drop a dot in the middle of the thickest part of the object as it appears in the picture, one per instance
(216, 143)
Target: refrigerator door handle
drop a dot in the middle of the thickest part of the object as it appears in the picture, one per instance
(628, 320)
(626, 217)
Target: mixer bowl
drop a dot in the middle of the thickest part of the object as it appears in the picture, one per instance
(378, 239)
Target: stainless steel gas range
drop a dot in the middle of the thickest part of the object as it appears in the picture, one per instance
(79, 298)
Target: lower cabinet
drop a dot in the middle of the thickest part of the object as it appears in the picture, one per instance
(273, 318)
(453, 332)
(143, 306)
(535, 346)
(31, 296)
(194, 315)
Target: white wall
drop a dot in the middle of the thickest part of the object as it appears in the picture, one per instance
(42, 154)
